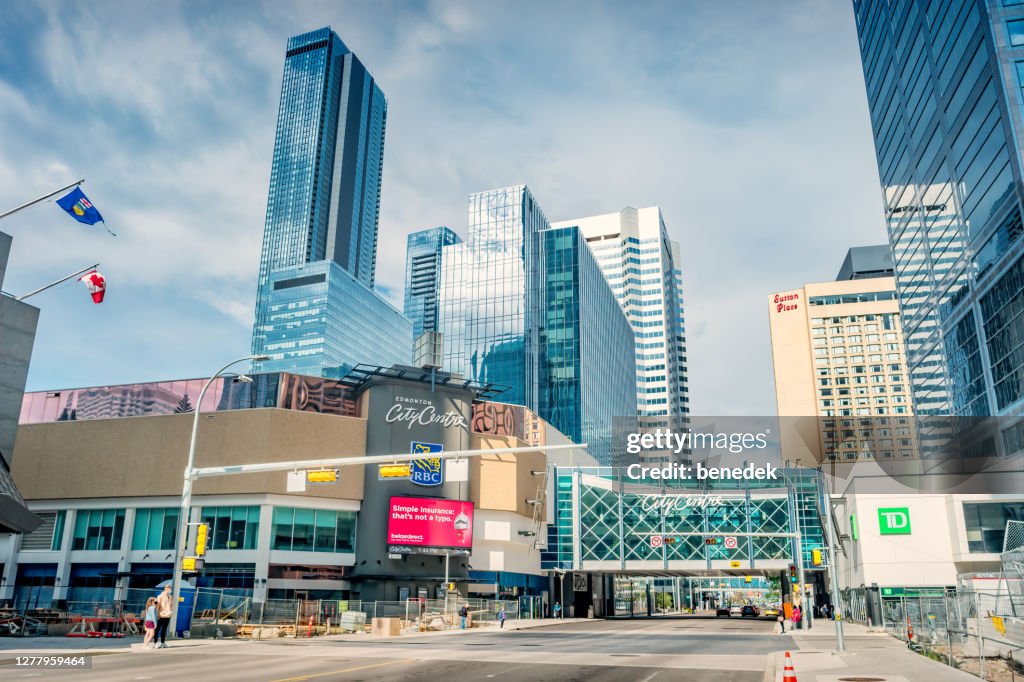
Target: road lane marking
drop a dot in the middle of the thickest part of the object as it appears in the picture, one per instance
(345, 670)
(650, 677)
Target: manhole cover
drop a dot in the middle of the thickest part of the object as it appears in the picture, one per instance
(861, 679)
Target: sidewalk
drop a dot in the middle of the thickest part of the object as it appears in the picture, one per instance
(868, 654)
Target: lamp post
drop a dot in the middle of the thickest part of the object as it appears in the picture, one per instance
(186, 492)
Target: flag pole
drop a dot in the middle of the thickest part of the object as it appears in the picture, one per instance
(40, 199)
(59, 281)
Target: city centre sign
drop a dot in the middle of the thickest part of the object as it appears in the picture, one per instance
(670, 503)
(417, 411)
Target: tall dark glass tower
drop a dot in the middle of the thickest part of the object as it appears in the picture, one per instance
(944, 81)
(315, 306)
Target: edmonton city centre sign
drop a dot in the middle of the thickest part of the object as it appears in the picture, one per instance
(421, 412)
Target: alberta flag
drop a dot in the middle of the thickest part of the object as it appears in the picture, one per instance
(79, 207)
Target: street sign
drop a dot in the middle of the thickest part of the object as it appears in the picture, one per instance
(730, 542)
(296, 482)
(657, 541)
(579, 582)
(734, 564)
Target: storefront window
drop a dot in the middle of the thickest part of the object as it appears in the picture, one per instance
(232, 527)
(986, 524)
(314, 530)
(155, 528)
(98, 529)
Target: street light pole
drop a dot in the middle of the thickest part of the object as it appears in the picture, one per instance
(186, 494)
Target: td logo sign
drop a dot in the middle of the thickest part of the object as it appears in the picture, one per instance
(894, 520)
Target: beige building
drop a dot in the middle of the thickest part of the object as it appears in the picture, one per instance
(108, 491)
(841, 382)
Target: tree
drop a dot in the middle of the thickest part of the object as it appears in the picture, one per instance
(184, 405)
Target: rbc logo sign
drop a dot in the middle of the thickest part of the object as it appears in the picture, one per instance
(427, 471)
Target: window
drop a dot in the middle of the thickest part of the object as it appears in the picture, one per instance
(232, 527)
(1016, 29)
(98, 529)
(155, 528)
(986, 524)
(313, 530)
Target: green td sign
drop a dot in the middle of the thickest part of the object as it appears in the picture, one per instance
(894, 520)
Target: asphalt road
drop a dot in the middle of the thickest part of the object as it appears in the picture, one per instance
(654, 650)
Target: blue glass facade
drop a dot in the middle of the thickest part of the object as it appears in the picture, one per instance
(423, 276)
(585, 344)
(944, 93)
(527, 307)
(488, 312)
(323, 202)
(320, 321)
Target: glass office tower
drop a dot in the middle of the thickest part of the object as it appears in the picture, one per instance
(585, 344)
(320, 238)
(516, 308)
(643, 268)
(423, 276)
(944, 84)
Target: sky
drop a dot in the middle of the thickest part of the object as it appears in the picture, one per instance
(746, 122)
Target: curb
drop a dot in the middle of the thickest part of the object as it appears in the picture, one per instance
(771, 666)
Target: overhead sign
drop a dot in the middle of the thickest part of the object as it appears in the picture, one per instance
(323, 476)
(730, 542)
(894, 520)
(415, 523)
(735, 564)
(392, 471)
(428, 471)
(657, 541)
(296, 482)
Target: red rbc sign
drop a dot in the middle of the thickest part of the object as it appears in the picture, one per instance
(424, 522)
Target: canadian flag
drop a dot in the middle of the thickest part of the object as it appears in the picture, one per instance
(95, 283)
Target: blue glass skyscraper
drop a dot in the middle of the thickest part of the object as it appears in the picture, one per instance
(525, 307)
(944, 81)
(423, 276)
(316, 311)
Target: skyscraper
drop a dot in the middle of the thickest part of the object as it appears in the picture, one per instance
(527, 307)
(423, 276)
(944, 83)
(643, 268)
(316, 311)
(838, 356)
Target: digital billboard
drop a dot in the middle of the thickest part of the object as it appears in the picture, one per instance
(421, 524)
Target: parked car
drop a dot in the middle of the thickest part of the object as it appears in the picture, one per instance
(735, 610)
(722, 611)
(750, 610)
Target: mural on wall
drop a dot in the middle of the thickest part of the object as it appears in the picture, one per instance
(501, 419)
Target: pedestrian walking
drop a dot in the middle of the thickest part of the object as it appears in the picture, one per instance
(164, 609)
(501, 618)
(149, 624)
(556, 610)
(464, 614)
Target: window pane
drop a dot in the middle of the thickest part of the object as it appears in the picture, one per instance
(1016, 29)
(302, 532)
(282, 528)
(141, 528)
(326, 522)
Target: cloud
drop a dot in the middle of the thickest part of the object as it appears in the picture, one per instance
(745, 121)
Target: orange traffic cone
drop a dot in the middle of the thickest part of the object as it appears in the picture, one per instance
(788, 674)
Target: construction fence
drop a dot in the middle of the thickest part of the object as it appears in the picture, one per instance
(225, 613)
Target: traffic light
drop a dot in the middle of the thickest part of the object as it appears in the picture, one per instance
(792, 573)
(816, 557)
(202, 532)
